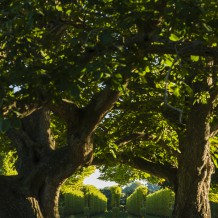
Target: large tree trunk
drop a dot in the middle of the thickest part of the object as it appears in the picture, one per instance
(41, 169)
(195, 167)
(14, 203)
(41, 166)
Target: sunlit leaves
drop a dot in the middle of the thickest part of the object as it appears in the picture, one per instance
(202, 97)
(194, 58)
(174, 37)
(122, 174)
(214, 151)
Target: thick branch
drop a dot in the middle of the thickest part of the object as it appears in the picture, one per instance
(37, 126)
(130, 138)
(163, 171)
(65, 109)
(183, 49)
(97, 109)
(24, 109)
(157, 47)
(19, 138)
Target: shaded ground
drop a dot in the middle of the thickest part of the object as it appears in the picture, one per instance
(109, 215)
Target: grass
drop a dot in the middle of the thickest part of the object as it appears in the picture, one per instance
(109, 215)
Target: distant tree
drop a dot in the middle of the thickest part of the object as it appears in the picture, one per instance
(129, 189)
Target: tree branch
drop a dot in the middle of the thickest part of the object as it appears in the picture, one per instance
(183, 49)
(65, 109)
(131, 137)
(95, 111)
(167, 172)
(145, 137)
(158, 47)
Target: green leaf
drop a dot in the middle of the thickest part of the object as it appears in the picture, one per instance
(113, 153)
(118, 76)
(215, 161)
(147, 69)
(189, 90)
(68, 12)
(177, 92)
(195, 58)
(59, 8)
(207, 27)
(174, 37)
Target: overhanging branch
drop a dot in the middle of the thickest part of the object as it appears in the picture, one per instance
(146, 137)
(131, 137)
(167, 172)
(182, 49)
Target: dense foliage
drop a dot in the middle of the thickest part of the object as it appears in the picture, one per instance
(138, 79)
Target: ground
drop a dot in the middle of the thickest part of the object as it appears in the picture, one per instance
(108, 215)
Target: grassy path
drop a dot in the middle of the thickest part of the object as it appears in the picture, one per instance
(108, 215)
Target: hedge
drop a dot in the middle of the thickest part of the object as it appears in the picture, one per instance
(136, 202)
(73, 202)
(160, 203)
(214, 205)
(88, 201)
(95, 201)
(115, 195)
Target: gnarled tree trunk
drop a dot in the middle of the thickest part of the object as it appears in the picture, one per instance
(14, 203)
(195, 166)
(42, 167)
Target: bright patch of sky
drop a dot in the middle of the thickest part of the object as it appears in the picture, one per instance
(100, 184)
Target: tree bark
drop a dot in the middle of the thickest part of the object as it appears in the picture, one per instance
(42, 167)
(195, 167)
(13, 203)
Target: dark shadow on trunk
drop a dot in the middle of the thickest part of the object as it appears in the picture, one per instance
(14, 203)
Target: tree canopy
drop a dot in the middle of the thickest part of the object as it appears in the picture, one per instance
(71, 50)
(66, 50)
(137, 79)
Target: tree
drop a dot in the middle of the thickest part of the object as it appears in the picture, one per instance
(121, 174)
(129, 189)
(150, 137)
(69, 63)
